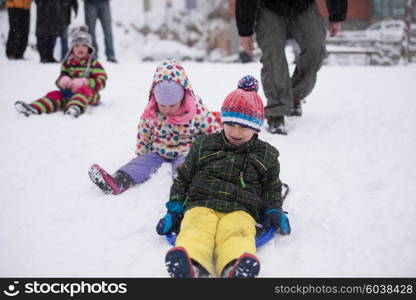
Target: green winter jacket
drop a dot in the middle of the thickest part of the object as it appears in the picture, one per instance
(225, 177)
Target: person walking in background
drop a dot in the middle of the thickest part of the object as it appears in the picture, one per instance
(271, 21)
(100, 9)
(50, 24)
(68, 5)
(19, 24)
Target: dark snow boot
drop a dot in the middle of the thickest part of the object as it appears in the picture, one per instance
(246, 266)
(277, 125)
(115, 185)
(179, 264)
(25, 109)
(296, 111)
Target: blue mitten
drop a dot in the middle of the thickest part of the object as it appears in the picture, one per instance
(172, 220)
(169, 223)
(277, 219)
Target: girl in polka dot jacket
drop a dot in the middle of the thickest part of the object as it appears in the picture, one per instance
(173, 118)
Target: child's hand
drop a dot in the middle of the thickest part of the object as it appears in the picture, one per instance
(65, 82)
(78, 83)
(277, 219)
(169, 223)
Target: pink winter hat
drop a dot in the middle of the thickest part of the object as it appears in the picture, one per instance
(168, 92)
(244, 106)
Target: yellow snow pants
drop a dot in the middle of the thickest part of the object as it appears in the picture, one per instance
(214, 238)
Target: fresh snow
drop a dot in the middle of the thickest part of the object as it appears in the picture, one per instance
(350, 162)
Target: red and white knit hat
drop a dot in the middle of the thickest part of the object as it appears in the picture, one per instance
(244, 106)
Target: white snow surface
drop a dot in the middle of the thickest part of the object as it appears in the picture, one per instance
(350, 162)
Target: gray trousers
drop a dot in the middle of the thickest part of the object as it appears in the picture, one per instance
(309, 31)
(100, 10)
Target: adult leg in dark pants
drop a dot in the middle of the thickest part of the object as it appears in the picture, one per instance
(275, 77)
(19, 20)
(46, 46)
(91, 16)
(102, 11)
(284, 93)
(64, 43)
(309, 31)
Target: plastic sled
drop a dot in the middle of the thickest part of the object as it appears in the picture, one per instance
(261, 239)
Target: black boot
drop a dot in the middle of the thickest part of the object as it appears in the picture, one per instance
(297, 108)
(180, 265)
(123, 181)
(277, 125)
(246, 266)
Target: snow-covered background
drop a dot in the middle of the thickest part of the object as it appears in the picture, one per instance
(137, 33)
(350, 162)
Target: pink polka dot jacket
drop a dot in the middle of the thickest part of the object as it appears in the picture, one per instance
(173, 136)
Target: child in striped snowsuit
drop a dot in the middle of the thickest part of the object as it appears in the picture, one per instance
(82, 78)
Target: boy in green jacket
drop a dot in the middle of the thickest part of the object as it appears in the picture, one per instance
(227, 181)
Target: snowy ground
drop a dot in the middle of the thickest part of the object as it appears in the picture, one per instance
(349, 161)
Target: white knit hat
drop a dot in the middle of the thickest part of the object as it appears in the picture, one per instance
(80, 35)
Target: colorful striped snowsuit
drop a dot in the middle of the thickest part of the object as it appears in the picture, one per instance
(74, 67)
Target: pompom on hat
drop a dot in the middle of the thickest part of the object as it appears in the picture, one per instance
(244, 106)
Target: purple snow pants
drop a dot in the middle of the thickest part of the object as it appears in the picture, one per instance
(142, 167)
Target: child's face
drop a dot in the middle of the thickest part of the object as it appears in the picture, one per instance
(80, 50)
(237, 134)
(169, 110)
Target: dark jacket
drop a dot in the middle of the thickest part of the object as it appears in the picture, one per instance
(67, 6)
(50, 20)
(224, 177)
(246, 11)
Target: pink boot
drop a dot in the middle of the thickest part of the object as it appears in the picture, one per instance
(107, 183)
